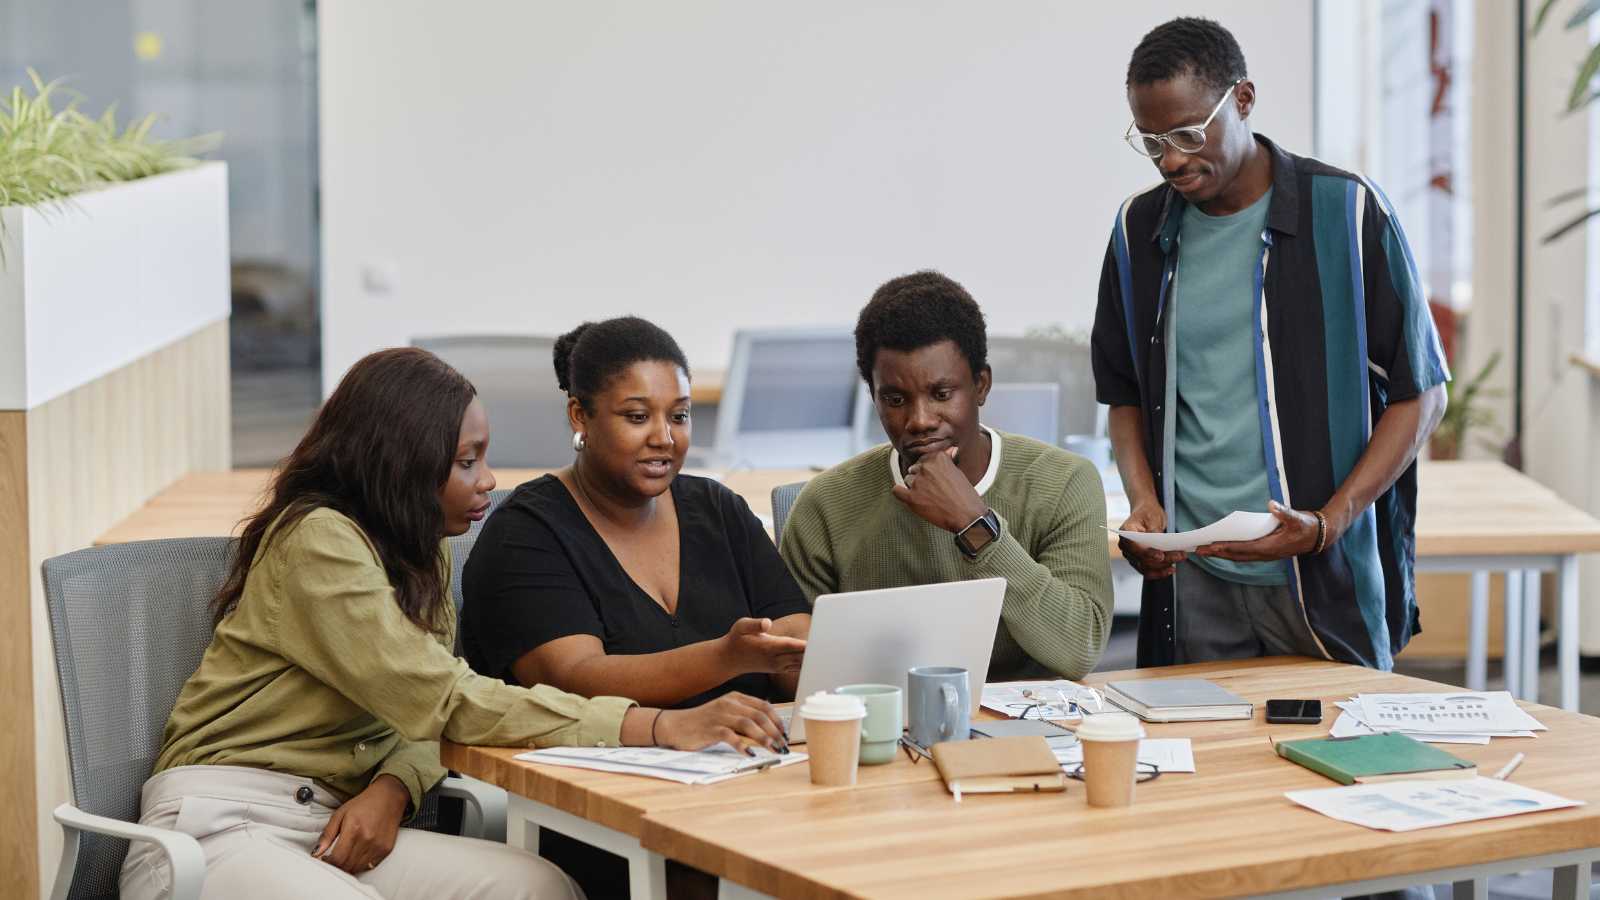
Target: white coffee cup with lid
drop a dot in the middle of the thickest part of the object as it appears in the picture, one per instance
(833, 736)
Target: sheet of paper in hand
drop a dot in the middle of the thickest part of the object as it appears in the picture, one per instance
(1235, 526)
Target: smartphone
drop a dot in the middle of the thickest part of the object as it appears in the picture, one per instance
(1294, 712)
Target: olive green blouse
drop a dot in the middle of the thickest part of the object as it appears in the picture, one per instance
(318, 673)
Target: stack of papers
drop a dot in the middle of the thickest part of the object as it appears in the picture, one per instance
(1409, 805)
(708, 766)
(1059, 699)
(1459, 717)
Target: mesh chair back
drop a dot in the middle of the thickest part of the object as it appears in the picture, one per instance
(130, 623)
(516, 381)
(461, 548)
(788, 399)
(783, 497)
(1033, 360)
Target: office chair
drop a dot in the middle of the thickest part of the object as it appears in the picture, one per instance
(130, 623)
(783, 497)
(516, 380)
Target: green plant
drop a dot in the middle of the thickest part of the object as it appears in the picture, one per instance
(1581, 94)
(1465, 412)
(49, 154)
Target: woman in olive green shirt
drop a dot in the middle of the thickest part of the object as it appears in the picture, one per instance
(310, 729)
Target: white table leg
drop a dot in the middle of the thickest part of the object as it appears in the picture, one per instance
(1532, 608)
(1572, 882)
(647, 871)
(1478, 633)
(1511, 663)
(1567, 638)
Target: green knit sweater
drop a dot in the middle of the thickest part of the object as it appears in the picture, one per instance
(847, 532)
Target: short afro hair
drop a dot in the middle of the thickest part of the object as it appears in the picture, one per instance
(1188, 46)
(916, 311)
(589, 356)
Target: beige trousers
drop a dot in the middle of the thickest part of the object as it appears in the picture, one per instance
(258, 837)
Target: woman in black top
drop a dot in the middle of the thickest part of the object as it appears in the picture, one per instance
(618, 576)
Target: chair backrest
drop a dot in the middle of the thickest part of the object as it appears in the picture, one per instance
(129, 623)
(1018, 360)
(516, 381)
(788, 398)
(783, 497)
(461, 548)
(1027, 409)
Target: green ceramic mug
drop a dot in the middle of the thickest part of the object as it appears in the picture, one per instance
(880, 731)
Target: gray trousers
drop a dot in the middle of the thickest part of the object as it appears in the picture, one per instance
(258, 840)
(1221, 619)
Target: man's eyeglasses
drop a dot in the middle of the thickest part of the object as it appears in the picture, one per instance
(1188, 139)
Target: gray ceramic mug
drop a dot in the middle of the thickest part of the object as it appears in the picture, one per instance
(940, 702)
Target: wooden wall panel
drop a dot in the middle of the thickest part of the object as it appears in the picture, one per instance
(19, 875)
(94, 455)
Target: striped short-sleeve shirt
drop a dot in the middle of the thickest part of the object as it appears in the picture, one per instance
(1341, 331)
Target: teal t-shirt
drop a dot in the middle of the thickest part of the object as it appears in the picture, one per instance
(1218, 459)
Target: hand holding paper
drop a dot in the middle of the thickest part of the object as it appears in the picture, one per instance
(1235, 526)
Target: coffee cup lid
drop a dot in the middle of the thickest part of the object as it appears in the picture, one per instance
(825, 707)
(1111, 726)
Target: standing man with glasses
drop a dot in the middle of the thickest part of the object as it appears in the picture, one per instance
(1264, 344)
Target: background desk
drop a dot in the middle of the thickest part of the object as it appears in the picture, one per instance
(1225, 831)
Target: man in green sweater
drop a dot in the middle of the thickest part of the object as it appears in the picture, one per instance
(949, 499)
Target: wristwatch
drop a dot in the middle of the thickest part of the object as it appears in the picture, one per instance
(983, 531)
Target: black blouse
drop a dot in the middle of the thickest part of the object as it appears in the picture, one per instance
(539, 571)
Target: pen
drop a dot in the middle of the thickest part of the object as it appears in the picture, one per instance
(765, 764)
(1510, 767)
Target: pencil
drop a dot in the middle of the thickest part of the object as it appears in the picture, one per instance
(1510, 767)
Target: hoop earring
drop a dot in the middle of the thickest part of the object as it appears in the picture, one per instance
(577, 442)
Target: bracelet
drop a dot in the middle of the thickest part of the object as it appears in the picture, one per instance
(653, 727)
(1322, 531)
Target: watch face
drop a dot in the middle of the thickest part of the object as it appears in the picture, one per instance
(978, 535)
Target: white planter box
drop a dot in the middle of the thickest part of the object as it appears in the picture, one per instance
(90, 286)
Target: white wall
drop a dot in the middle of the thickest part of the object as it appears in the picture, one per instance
(717, 164)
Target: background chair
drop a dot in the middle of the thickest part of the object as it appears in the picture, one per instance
(783, 497)
(788, 399)
(1017, 360)
(130, 623)
(516, 380)
(461, 548)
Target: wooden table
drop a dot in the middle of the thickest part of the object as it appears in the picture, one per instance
(1480, 517)
(1226, 830)
(209, 504)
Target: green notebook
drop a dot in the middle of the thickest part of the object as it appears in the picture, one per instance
(1374, 757)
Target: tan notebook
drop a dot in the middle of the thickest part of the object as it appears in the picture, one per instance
(998, 766)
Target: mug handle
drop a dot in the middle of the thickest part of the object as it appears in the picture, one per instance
(947, 725)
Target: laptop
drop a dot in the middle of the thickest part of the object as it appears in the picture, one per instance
(875, 636)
